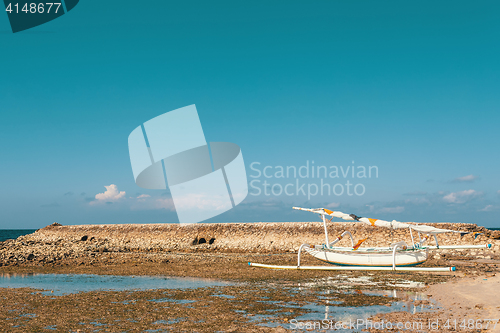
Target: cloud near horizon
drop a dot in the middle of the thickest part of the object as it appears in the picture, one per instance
(488, 208)
(462, 196)
(110, 195)
(465, 179)
(167, 204)
(393, 210)
(143, 197)
(146, 202)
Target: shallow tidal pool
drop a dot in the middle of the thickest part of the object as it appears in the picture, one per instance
(60, 284)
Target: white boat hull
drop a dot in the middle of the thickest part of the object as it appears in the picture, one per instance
(369, 258)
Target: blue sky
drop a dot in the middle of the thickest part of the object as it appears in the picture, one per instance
(411, 88)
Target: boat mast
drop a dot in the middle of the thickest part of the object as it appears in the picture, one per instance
(326, 231)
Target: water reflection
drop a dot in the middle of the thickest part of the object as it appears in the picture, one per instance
(335, 293)
(59, 284)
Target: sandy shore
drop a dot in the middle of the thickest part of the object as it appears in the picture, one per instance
(465, 305)
(471, 298)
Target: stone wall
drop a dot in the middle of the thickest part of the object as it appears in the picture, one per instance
(55, 242)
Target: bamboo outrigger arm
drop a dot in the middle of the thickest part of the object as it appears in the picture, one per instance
(357, 268)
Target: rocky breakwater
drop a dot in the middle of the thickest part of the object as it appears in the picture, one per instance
(82, 244)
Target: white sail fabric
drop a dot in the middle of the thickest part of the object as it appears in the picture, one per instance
(426, 229)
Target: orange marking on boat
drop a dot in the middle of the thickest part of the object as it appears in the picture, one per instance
(359, 244)
(372, 221)
(327, 210)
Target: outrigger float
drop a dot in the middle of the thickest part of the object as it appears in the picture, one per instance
(398, 256)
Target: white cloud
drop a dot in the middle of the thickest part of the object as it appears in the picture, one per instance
(488, 208)
(167, 204)
(333, 205)
(143, 197)
(146, 202)
(395, 210)
(110, 195)
(462, 196)
(465, 179)
(203, 202)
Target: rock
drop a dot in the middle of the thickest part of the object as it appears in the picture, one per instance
(62, 243)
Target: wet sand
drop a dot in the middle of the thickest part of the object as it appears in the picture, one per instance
(255, 297)
(471, 298)
(466, 304)
(239, 310)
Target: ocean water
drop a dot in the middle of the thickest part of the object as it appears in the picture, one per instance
(14, 233)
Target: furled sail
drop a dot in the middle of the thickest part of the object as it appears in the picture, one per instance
(426, 229)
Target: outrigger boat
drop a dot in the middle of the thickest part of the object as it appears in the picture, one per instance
(398, 256)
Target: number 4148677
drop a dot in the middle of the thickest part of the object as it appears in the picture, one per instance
(471, 324)
(34, 8)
